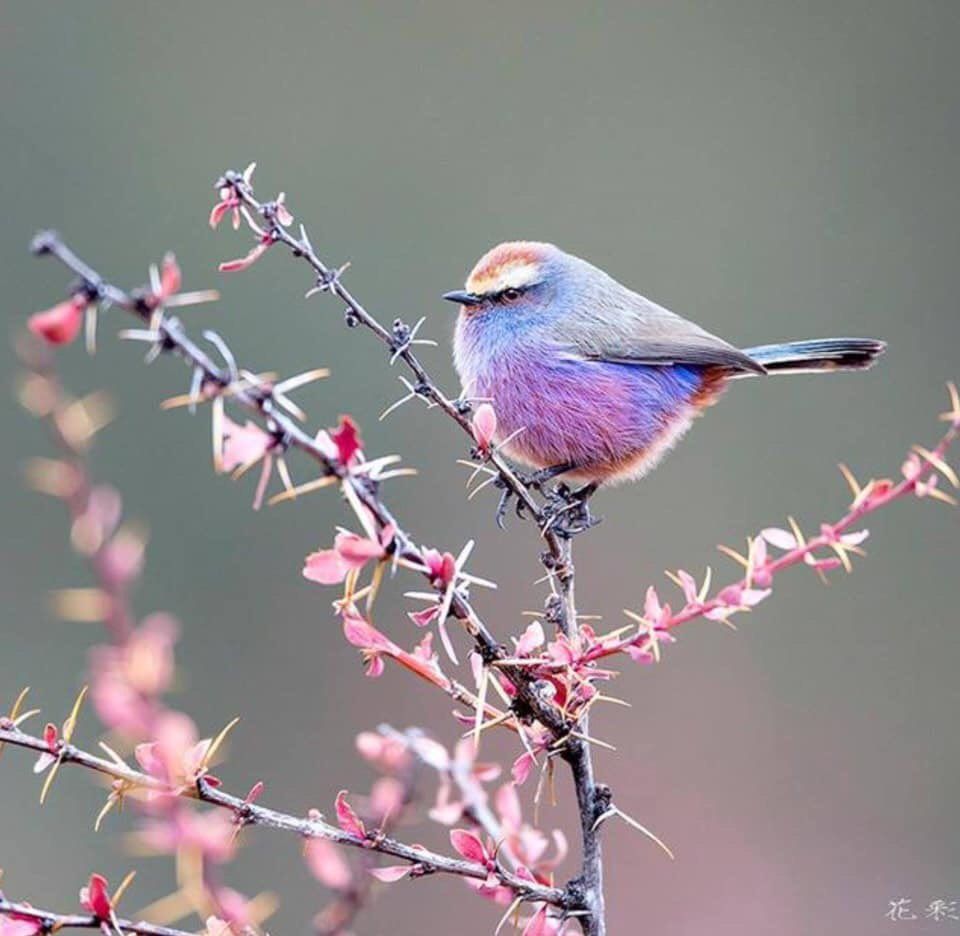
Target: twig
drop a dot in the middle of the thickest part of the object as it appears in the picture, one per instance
(51, 922)
(425, 862)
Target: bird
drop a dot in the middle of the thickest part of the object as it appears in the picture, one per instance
(591, 382)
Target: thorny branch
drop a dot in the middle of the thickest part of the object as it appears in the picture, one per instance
(558, 558)
(577, 649)
(313, 827)
(172, 337)
(50, 922)
(169, 335)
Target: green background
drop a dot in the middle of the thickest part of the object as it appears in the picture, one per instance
(770, 169)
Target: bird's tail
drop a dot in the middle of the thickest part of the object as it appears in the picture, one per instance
(818, 355)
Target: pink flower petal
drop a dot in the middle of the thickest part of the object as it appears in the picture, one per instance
(95, 898)
(484, 426)
(391, 873)
(521, 768)
(532, 639)
(61, 324)
(780, 538)
(356, 550)
(347, 818)
(468, 845)
(325, 567)
(346, 437)
(245, 262)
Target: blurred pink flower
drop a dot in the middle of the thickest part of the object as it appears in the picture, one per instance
(390, 755)
(327, 864)
(387, 797)
(211, 834)
(243, 445)
(13, 925)
(229, 202)
(175, 756)
(60, 324)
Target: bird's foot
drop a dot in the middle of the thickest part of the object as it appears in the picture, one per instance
(538, 479)
(567, 511)
(534, 480)
(504, 504)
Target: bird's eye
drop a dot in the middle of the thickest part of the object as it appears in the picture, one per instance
(511, 295)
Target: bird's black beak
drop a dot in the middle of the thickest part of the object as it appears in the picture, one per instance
(463, 297)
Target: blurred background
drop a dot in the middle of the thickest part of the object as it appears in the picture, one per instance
(771, 169)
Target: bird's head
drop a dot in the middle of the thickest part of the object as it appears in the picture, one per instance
(516, 279)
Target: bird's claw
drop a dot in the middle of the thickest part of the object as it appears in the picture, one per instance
(567, 512)
(538, 479)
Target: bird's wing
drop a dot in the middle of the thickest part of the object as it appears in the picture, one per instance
(629, 329)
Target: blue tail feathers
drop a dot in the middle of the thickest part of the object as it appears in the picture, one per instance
(818, 355)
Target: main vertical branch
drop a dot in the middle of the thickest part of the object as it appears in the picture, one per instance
(592, 799)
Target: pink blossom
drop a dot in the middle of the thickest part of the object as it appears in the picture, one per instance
(175, 756)
(736, 597)
(51, 738)
(484, 426)
(441, 567)
(212, 834)
(229, 202)
(391, 873)
(689, 586)
(386, 798)
(122, 558)
(347, 818)
(248, 260)
(13, 925)
(243, 445)
(374, 646)
(126, 678)
(170, 279)
(327, 864)
(371, 642)
(346, 439)
(426, 616)
(60, 324)
(388, 754)
(469, 846)
(350, 553)
(522, 767)
(780, 538)
(95, 899)
(532, 639)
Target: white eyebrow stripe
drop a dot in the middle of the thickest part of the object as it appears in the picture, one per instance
(515, 275)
